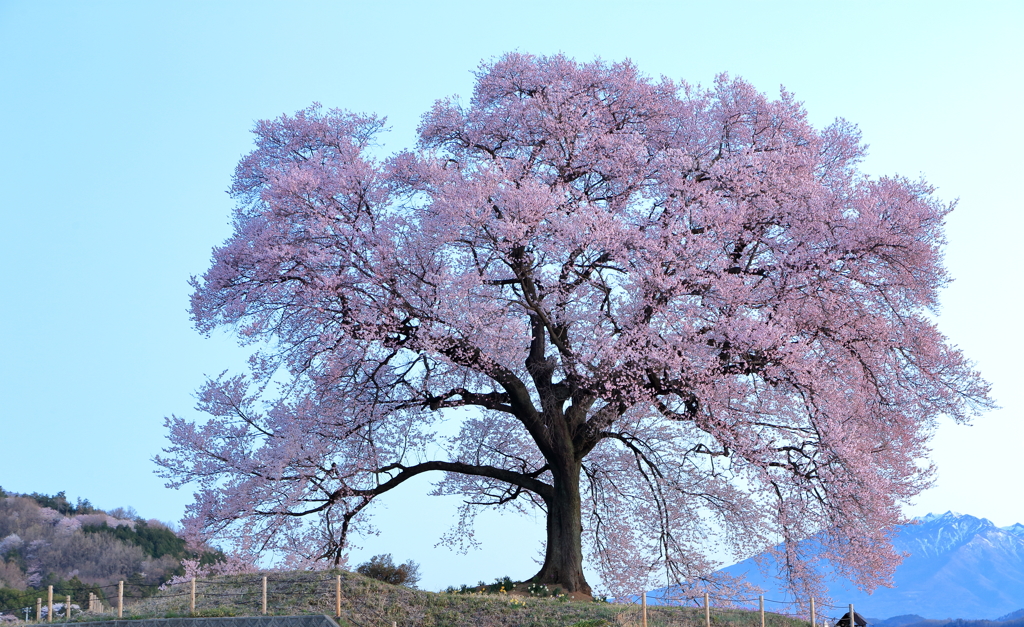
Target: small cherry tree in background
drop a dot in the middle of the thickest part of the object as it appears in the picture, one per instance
(663, 315)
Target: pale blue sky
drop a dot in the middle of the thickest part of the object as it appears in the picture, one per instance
(122, 123)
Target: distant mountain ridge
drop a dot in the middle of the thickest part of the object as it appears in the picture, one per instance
(1012, 615)
(959, 566)
(914, 620)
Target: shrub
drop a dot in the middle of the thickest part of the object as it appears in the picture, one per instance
(383, 568)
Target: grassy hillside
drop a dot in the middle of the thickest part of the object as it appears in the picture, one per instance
(78, 549)
(370, 603)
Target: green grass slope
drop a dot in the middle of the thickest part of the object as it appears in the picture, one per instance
(367, 602)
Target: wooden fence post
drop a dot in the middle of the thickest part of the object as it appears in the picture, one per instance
(49, 605)
(264, 595)
(337, 596)
(67, 608)
(643, 608)
(120, 599)
(39, 609)
(707, 610)
(760, 603)
(812, 613)
(192, 599)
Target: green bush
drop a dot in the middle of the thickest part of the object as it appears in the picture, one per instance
(12, 600)
(383, 568)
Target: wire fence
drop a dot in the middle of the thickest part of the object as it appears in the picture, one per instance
(269, 595)
(118, 598)
(716, 610)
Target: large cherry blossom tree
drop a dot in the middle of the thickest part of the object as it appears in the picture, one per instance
(671, 318)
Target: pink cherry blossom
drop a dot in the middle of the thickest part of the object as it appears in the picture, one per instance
(674, 319)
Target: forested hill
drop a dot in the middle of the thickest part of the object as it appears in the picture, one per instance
(48, 540)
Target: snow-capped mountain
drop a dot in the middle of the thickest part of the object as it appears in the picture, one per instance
(959, 567)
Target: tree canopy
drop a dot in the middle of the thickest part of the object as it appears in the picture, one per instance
(662, 314)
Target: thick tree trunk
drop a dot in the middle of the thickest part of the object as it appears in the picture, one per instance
(563, 557)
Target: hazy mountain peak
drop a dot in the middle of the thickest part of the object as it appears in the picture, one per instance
(952, 517)
(930, 517)
(1016, 529)
(1018, 613)
(958, 565)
